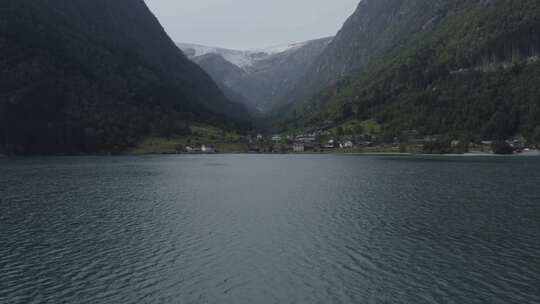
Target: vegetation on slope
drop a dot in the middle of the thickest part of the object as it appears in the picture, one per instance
(472, 73)
(195, 136)
(81, 76)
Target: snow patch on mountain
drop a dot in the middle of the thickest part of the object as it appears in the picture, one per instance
(241, 58)
(281, 48)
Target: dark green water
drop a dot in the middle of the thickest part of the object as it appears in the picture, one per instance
(270, 229)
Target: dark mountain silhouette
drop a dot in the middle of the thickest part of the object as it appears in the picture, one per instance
(89, 76)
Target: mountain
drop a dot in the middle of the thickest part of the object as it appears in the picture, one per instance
(88, 76)
(224, 72)
(240, 58)
(460, 68)
(263, 77)
(374, 27)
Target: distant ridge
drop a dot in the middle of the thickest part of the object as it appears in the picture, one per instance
(240, 58)
(262, 76)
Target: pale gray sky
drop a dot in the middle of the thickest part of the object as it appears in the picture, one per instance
(249, 24)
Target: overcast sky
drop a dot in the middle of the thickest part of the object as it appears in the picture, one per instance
(249, 24)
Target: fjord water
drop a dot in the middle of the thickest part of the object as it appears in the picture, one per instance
(269, 229)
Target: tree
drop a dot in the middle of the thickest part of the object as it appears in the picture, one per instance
(502, 148)
(440, 146)
(498, 126)
(339, 131)
(347, 110)
(536, 135)
(358, 130)
(166, 127)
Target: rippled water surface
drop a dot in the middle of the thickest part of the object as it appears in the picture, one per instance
(270, 229)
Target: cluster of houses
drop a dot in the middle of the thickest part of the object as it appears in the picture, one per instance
(319, 141)
(517, 145)
(311, 142)
(409, 142)
(413, 142)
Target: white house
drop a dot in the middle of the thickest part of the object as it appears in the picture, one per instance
(276, 137)
(346, 145)
(207, 149)
(299, 147)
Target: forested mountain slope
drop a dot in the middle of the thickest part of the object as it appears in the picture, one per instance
(90, 76)
(466, 68)
(375, 26)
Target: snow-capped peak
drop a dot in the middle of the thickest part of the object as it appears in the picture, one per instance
(281, 48)
(240, 58)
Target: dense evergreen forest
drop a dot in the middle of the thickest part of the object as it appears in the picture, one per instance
(473, 71)
(80, 76)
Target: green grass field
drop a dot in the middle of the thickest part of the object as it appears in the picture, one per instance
(224, 142)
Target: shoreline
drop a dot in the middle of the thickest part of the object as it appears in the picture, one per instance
(534, 153)
(471, 154)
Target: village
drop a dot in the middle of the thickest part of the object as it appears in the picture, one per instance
(325, 141)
